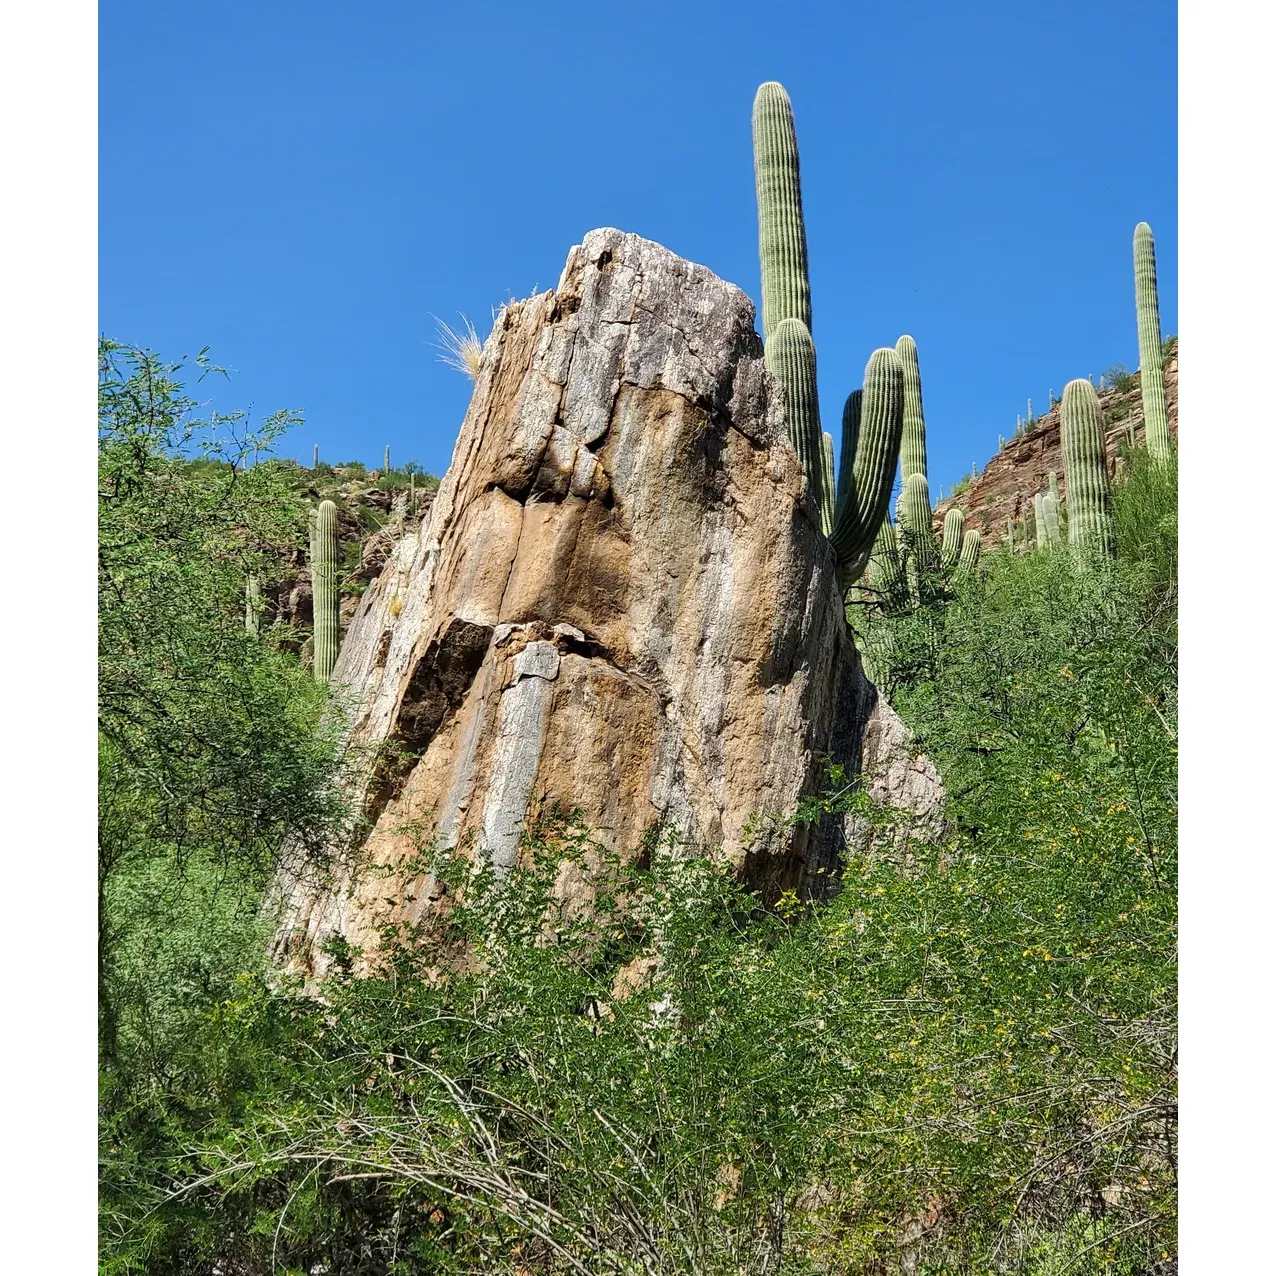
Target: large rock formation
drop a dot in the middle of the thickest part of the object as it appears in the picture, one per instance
(620, 602)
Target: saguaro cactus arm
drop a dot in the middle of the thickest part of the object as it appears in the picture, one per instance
(969, 559)
(786, 288)
(954, 529)
(790, 357)
(871, 429)
(886, 569)
(830, 502)
(912, 448)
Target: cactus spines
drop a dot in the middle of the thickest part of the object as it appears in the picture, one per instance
(954, 529)
(385, 468)
(1054, 489)
(252, 605)
(786, 288)
(912, 448)
(968, 560)
(323, 580)
(871, 427)
(1086, 468)
(1038, 521)
(1031, 419)
(790, 357)
(1156, 427)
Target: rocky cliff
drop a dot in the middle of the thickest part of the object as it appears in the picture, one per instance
(1022, 466)
(620, 602)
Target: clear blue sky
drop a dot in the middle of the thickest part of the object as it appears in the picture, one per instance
(301, 186)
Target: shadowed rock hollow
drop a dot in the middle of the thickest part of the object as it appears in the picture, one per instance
(620, 602)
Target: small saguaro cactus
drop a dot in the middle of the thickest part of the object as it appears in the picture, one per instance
(786, 287)
(252, 605)
(1038, 522)
(1156, 426)
(385, 467)
(790, 358)
(1085, 466)
(1050, 515)
(323, 580)
(315, 463)
(1010, 534)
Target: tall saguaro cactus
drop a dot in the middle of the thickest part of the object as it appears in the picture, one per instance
(1156, 426)
(790, 357)
(323, 580)
(1085, 466)
(786, 286)
(873, 422)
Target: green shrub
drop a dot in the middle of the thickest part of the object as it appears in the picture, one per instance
(962, 1063)
(1119, 378)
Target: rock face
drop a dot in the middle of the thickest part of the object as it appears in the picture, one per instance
(1005, 488)
(620, 602)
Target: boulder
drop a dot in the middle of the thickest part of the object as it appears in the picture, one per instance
(620, 603)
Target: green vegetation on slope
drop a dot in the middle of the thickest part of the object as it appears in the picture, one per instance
(964, 1063)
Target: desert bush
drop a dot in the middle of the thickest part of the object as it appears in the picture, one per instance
(961, 1062)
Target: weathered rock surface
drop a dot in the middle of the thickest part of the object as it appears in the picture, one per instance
(619, 602)
(1005, 488)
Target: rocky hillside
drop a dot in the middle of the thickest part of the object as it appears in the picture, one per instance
(1022, 467)
(372, 513)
